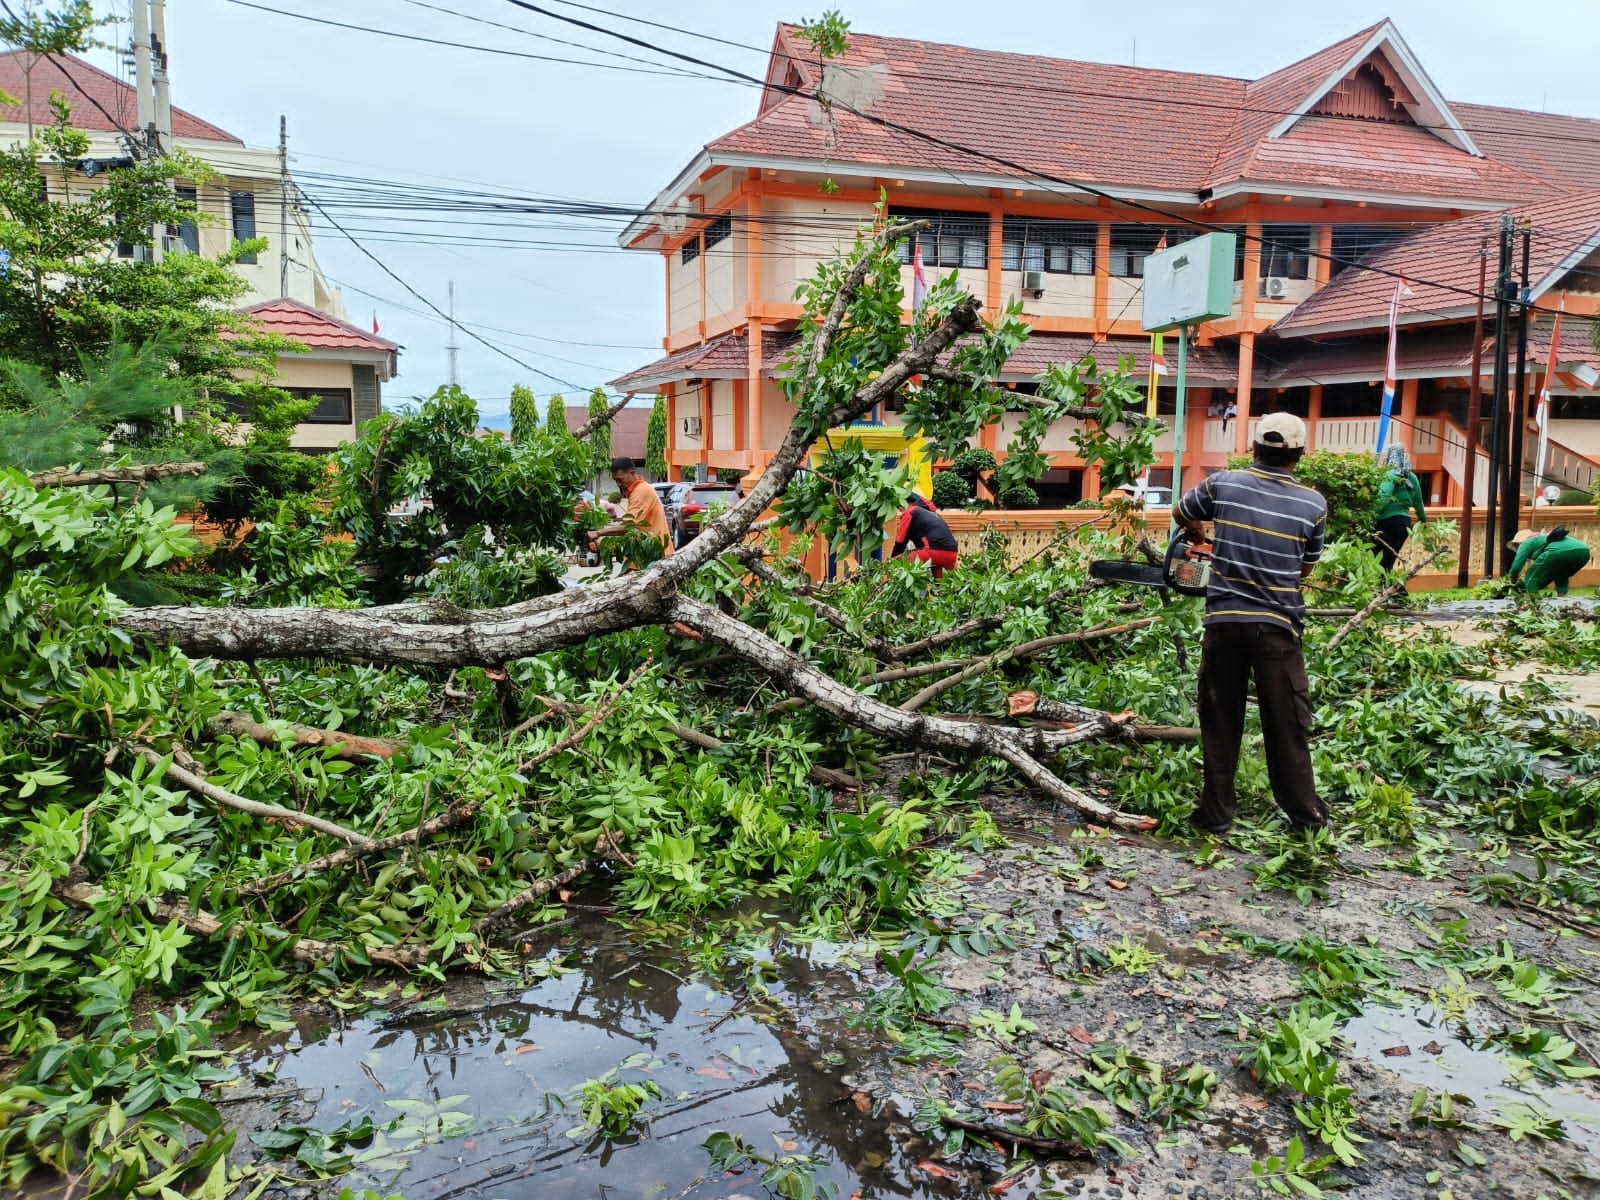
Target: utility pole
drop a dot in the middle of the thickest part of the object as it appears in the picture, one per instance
(283, 206)
(163, 86)
(1520, 425)
(451, 347)
(1469, 470)
(144, 80)
(1502, 305)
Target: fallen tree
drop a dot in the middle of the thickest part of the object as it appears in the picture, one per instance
(826, 395)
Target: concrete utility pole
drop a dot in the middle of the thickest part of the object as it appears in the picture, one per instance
(283, 206)
(144, 79)
(450, 347)
(163, 88)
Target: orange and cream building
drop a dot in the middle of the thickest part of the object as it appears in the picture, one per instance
(1049, 181)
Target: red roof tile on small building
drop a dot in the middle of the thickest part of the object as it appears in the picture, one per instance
(83, 84)
(314, 329)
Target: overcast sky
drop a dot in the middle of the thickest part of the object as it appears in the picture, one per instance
(381, 108)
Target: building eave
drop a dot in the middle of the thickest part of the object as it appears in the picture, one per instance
(1246, 187)
(652, 217)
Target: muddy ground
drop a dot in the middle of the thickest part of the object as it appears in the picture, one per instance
(1162, 947)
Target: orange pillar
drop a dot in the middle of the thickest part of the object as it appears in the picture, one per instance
(1196, 405)
(996, 255)
(1406, 434)
(1102, 280)
(1247, 339)
(1313, 415)
(705, 421)
(670, 391)
(754, 438)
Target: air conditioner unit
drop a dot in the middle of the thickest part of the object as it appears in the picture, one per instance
(691, 427)
(1033, 281)
(1276, 287)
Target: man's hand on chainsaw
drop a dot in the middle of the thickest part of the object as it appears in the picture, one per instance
(1194, 531)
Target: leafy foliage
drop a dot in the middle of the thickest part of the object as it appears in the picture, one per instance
(950, 490)
(521, 492)
(655, 440)
(524, 413)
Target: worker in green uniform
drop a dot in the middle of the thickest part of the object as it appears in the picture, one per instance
(1553, 557)
(1399, 495)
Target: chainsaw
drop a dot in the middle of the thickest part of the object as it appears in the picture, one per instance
(1186, 568)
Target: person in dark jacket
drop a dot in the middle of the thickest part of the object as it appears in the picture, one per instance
(923, 533)
(1399, 495)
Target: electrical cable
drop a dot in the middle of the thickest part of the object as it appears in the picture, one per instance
(439, 312)
(498, 50)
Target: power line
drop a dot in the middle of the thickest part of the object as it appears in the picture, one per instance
(498, 50)
(437, 311)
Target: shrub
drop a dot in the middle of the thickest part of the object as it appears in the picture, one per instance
(950, 490)
(1348, 482)
(1575, 496)
(970, 464)
(1019, 495)
(729, 475)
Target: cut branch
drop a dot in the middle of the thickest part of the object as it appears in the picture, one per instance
(526, 897)
(1388, 593)
(1026, 649)
(63, 477)
(451, 818)
(227, 799)
(346, 745)
(303, 949)
(796, 675)
(599, 419)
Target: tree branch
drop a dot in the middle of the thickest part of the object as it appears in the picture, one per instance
(1000, 657)
(227, 799)
(346, 745)
(451, 818)
(1394, 589)
(599, 419)
(794, 674)
(64, 477)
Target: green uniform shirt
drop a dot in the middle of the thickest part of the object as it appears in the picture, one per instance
(1559, 561)
(1398, 494)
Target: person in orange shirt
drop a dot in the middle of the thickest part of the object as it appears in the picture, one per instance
(644, 506)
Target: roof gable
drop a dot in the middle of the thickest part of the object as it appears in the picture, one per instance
(1382, 50)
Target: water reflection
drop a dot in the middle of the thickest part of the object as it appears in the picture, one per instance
(477, 1086)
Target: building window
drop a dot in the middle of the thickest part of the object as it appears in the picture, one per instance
(188, 231)
(333, 405)
(954, 239)
(124, 249)
(244, 220)
(1353, 244)
(1286, 251)
(719, 230)
(1131, 245)
(690, 251)
(1061, 247)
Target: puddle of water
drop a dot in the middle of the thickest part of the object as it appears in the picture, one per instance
(475, 1087)
(1460, 1067)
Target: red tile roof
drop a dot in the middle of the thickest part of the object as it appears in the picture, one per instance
(80, 82)
(727, 358)
(1547, 145)
(1446, 257)
(314, 329)
(1136, 128)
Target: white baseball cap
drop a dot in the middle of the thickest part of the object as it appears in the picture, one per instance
(1283, 430)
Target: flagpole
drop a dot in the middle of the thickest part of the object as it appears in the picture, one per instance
(1542, 412)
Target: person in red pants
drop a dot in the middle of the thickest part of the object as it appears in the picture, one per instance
(922, 533)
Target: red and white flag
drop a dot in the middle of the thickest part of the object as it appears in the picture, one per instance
(374, 320)
(919, 282)
(1541, 412)
(1390, 371)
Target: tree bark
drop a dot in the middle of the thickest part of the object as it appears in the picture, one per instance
(62, 477)
(347, 745)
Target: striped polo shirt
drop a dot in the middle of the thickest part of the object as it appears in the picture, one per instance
(1266, 527)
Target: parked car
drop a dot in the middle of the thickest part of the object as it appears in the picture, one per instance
(671, 496)
(1150, 497)
(695, 499)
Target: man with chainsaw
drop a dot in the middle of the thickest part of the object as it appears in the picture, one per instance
(1269, 532)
